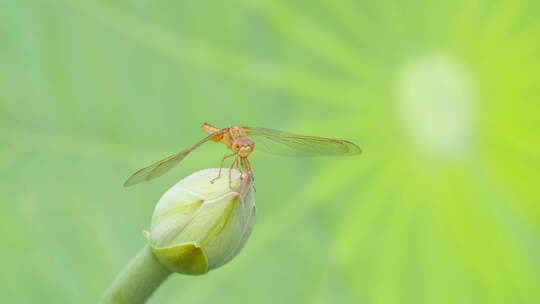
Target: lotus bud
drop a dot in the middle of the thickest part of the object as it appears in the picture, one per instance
(198, 225)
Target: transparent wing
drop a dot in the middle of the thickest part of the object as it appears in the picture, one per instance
(161, 167)
(288, 144)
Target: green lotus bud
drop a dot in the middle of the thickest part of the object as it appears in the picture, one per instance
(198, 225)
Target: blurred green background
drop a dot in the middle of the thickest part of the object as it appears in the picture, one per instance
(443, 96)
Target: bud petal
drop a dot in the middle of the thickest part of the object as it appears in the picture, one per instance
(198, 226)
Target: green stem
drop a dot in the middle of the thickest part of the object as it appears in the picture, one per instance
(138, 280)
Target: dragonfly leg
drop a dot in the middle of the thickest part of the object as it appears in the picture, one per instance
(240, 165)
(247, 166)
(221, 166)
(234, 162)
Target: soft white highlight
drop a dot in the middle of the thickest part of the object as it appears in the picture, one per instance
(435, 103)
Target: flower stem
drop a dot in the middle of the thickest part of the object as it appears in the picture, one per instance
(138, 280)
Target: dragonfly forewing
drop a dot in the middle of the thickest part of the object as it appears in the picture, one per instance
(159, 168)
(289, 144)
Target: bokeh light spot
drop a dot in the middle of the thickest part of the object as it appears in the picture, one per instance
(435, 104)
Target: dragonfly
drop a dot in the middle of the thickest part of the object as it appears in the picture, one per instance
(242, 141)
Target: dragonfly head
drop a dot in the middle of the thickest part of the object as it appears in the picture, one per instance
(243, 146)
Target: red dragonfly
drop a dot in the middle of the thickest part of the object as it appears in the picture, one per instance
(238, 140)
